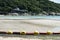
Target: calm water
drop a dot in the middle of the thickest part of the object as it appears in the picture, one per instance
(30, 17)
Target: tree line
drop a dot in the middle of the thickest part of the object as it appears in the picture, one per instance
(34, 6)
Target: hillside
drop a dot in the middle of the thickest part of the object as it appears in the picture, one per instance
(34, 6)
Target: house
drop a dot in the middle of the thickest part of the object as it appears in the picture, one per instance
(17, 10)
(13, 14)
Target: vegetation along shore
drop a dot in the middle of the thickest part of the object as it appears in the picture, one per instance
(29, 7)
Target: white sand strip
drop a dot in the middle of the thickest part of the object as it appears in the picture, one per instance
(29, 25)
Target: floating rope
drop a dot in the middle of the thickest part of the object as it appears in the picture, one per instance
(26, 33)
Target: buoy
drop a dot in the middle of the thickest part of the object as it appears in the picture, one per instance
(23, 33)
(49, 32)
(36, 33)
(10, 32)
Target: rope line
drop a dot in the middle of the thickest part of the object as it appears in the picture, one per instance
(24, 33)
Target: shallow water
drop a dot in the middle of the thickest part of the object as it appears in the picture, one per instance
(29, 37)
(30, 17)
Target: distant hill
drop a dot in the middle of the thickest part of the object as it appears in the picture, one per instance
(34, 6)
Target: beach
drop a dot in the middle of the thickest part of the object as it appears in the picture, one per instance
(29, 25)
(41, 25)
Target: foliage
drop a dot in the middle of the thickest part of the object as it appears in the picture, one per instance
(36, 6)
